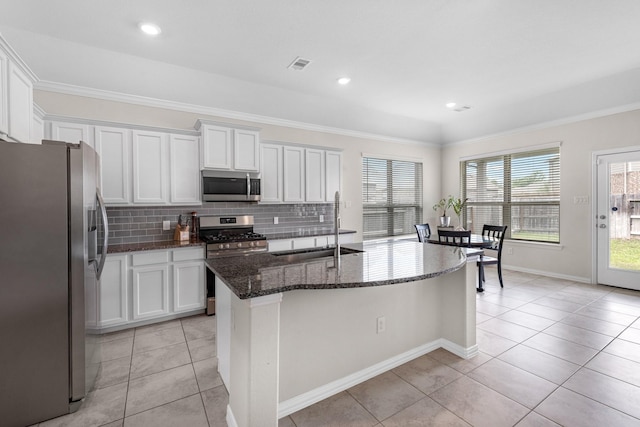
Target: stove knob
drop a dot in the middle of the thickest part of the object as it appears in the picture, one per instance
(221, 246)
(239, 245)
(226, 246)
(252, 244)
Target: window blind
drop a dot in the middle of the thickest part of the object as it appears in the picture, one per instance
(520, 190)
(391, 197)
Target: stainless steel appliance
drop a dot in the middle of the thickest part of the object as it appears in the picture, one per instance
(226, 236)
(230, 235)
(53, 242)
(229, 186)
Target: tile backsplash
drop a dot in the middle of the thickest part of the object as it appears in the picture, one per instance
(144, 224)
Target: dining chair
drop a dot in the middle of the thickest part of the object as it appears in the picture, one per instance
(424, 232)
(455, 237)
(496, 233)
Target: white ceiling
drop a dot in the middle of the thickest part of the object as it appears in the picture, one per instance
(515, 62)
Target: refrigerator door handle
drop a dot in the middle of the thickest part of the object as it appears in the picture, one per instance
(105, 241)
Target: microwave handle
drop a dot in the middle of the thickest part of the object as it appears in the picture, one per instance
(248, 187)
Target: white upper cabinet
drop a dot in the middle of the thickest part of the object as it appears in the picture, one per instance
(149, 167)
(16, 97)
(291, 173)
(70, 132)
(229, 148)
(314, 175)
(184, 171)
(20, 104)
(4, 93)
(333, 174)
(294, 175)
(216, 147)
(246, 154)
(114, 145)
(271, 173)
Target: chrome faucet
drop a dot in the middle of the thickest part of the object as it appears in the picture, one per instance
(336, 224)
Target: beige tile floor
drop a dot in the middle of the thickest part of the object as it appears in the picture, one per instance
(552, 352)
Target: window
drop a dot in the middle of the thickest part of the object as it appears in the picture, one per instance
(520, 190)
(391, 197)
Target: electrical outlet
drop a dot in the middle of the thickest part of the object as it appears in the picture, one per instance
(166, 225)
(381, 325)
(275, 219)
(321, 218)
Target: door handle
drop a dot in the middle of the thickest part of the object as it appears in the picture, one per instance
(603, 225)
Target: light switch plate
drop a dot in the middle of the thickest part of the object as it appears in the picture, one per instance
(166, 225)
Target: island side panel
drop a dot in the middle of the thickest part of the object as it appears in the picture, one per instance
(254, 349)
(459, 318)
(328, 335)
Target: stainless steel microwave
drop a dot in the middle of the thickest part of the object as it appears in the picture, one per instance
(220, 186)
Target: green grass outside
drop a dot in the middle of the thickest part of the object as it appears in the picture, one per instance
(625, 254)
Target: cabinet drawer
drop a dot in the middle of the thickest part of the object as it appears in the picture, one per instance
(188, 254)
(152, 257)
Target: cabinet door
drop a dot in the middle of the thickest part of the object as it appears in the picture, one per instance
(333, 164)
(246, 154)
(150, 291)
(112, 296)
(71, 132)
(149, 171)
(293, 174)
(314, 175)
(216, 147)
(271, 173)
(114, 145)
(4, 94)
(188, 286)
(20, 104)
(184, 174)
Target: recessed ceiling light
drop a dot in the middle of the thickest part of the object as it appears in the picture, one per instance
(344, 80)
(149, 28)
(451, 105)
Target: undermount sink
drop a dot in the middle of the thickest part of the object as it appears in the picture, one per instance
(305, 254)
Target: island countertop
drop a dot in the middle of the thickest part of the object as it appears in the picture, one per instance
(379, 263)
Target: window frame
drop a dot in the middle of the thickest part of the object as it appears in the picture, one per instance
(390, 207)
(507, 202)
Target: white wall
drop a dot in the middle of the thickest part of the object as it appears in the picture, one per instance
(572, 258)
(353, 147)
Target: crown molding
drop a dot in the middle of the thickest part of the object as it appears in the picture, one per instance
(218, 112)
(545, 125)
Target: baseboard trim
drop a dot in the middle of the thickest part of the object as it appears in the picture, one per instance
(548, 274)
(301, 401)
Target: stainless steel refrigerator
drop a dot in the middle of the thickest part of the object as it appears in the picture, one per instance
(52, 250)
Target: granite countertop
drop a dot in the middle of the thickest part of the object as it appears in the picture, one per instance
(380, 263)
(150, 246)
(306, 233)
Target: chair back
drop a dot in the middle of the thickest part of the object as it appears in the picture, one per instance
(424, 232)
(497, 233)
(455, 238)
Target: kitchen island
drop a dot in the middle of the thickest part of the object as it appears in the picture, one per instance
(293, 329)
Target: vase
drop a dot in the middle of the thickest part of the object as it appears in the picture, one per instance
(459, 227)
(445, 221)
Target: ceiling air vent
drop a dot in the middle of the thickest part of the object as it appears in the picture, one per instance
(299, 64)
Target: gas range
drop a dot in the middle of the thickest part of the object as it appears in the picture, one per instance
(230, 235)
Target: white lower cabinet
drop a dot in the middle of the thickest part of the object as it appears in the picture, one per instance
(149, 286)
(188, 286)
(112, 294)
(150, 291)
(308, 242)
